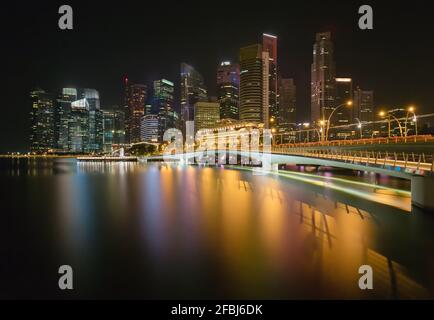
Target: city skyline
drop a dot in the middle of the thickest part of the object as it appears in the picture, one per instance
(294, 51)
(217, 151)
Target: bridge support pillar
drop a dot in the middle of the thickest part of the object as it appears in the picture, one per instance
(422, 192)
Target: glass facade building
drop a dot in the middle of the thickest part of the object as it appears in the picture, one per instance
(193, 89)
(251, 84)
(206, 115)
(287, 105)
(228, 87)
(136, 95)
(164, 103)
(322, 78)
(64, 101)
(42, 118)
(269, 45)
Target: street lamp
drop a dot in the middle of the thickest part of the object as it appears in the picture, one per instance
(389, 116)
(359, 125)
(307, 125)
(411, 109)
(347, 104)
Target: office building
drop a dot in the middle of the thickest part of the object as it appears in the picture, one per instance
(253, 88)
(344, 115)
(163, 104)
(228, 87)
(42, 129)
(151, 130)
(136, 95)
(363, 110)
(322, 78)
(78, 127)
(269, 45)
(62, 116)
(206, 115)
(193, 89)
(286, 121)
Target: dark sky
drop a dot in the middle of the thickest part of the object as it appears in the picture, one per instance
(147, 40)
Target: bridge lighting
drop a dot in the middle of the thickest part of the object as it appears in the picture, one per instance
(411, 109)
(349, 103)
(382, 113)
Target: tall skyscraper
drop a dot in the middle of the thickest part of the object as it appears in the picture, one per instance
(64, 101)
(42, 137)
(206, 115)
(228, 87)
(322, 78)
(119, 126)
(287, 106)
(114, 128)
(163, 103)
(136, 95)
(109, 130)
(269, 44)
(78, 127)
(96, 132)
(193, 89)
(252, 84)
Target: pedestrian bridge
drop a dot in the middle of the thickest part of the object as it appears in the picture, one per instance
(405, 166)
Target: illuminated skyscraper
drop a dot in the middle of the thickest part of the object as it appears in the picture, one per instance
(96, 132)
(64, 101)
(114, 130)
(254, 84)
(136, 95)
(322, 78)
(109, 130)
(42, 137)
(269, 44)
(228, 87)
(193, 89)
(287, 106)
(163, 103)
(78, 127)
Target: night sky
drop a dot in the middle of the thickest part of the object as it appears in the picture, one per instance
(147, 40)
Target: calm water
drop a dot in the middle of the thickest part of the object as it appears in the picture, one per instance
(156, 231)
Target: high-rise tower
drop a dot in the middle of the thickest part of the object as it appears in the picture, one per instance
(136, 95)
(322, 78)
(252, 101)
(269, 44)
(193, 89)
(228, 87)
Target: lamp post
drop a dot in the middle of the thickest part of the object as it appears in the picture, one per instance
(307, 125)
(389, 116)
(321, 136)
(359, 125)
(348, 103)
(410, 110)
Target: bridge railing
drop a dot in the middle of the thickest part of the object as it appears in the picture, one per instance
(366, 141)
(405, 161)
